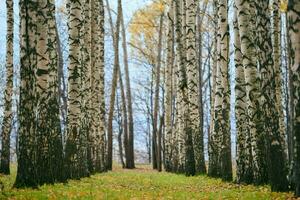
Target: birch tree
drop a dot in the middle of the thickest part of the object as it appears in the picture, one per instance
(49, 142)
(155, 134)
(193, 83)
(213, 166)
(294, 28)
(246, 27)
(7, 121)
(76, 144)
(40, 147)
(97, 85)
(26, 176)
(186, 150)
(199, 140)
(244, 153)
(169, 90)
(277, 66)
(222, 123)
(277, 170)
(221, 131)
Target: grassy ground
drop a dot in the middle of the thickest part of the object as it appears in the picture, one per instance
(141, 183)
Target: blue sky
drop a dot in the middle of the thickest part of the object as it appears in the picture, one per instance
(2, 27)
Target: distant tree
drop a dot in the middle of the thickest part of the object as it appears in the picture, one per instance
(130, 157)
(156, 143)
(113, 90)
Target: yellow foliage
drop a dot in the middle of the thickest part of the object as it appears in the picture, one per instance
(283, 6)
(144, 28)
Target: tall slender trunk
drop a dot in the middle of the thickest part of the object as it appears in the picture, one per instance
(169, 91)
(124, 105)
(243, 151)
(86, 88)
(50, 156)
(40, 152)
(76, 144)
(222, 97)
(124, 118)
(278, 70)
(181, 84)
(246, 26)
(7, 120)
(113, 91)
(120, 131)
(26, 176)
(130, 159)
(186, 154)
(199, 155)
(97, 86)
(102, 137)
(274, 145)
(213, 165)
(62, 87)
(290, 103)
(156, 136)
(194, 85)
(294, 29)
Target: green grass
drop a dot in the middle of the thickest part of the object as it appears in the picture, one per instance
(141, 183)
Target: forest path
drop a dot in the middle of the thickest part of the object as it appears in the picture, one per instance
(140, 183)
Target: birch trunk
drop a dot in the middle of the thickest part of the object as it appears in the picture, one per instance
(243, 151)
(155, 133)
(7, 120)
(169, 91)
(193, 82)
(97, 86)
(26, 176)
(213, 166)
(76, 149)
(246, 27)
(274, 145)
(294, 28)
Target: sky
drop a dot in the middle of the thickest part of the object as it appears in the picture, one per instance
(2, 28)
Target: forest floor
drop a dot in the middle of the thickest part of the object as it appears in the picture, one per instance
(141, 183)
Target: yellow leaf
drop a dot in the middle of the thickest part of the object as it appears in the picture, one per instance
(283, 6)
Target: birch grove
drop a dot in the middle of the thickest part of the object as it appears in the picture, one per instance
(190, 87)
